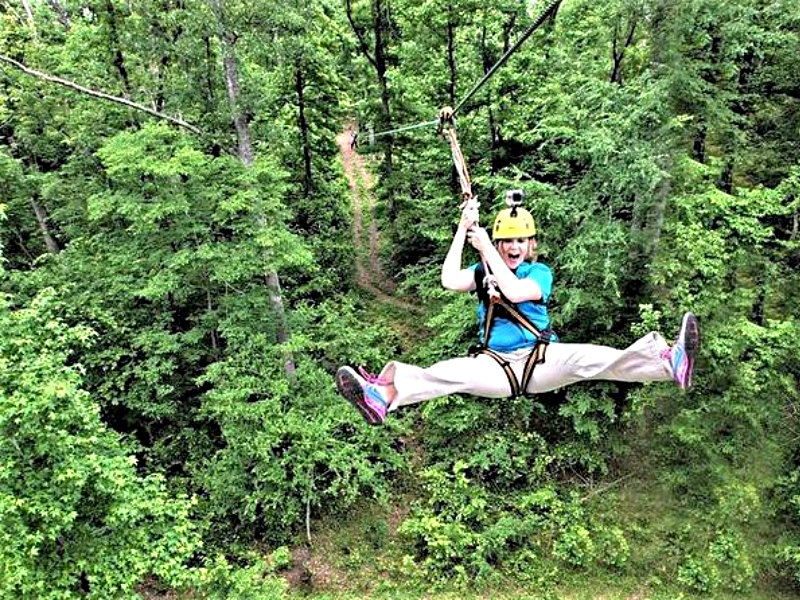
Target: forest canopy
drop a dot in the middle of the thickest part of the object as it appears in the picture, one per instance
(190, 247)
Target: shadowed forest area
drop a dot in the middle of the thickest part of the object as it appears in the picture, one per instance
(187, 254)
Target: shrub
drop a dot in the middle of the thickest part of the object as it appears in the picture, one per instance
(463, 533)
(76, 519)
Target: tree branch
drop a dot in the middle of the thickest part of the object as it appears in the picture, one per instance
(606, 487)
(97, 94)
(41, 218)
(359, 34)
(618, 54)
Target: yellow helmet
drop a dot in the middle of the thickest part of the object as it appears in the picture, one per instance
(513, 223)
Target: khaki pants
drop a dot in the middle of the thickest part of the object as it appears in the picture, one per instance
(564, 364)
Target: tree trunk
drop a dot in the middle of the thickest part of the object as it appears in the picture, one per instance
(451, 55)
(29, 13)
(618, 53)
(725, 182)
(308, 184)
(699, 144)
(487, 62)
(757, 313)
(210, 96)
(116, 50)
(245, 154)
(380, 27)
(508, 27)
(377, 58)
(160, 98)
(655, 217)
(41, 218)
(23, 247)
(209, 308)
(231, 71)
(282, 333)
(170, 35)
(494, 143)
(646, 229)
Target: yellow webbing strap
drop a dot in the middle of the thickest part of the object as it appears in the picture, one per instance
(487, 323)
(460, 164)
(447, 126)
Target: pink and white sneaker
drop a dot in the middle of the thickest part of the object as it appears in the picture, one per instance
(684, 351)
(363, 391)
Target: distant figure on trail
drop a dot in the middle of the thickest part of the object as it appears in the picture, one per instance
(353, 139)
(519, 354)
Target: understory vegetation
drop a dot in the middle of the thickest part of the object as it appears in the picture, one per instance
(178, 287)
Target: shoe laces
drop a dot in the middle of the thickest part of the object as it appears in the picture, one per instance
(372, 378)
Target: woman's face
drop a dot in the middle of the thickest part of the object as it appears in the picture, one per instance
(514, 251)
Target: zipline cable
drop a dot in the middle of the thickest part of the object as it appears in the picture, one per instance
(551, 8)
(406, 128)
(547, 12)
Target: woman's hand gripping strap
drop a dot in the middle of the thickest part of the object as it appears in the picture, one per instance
(469, 212)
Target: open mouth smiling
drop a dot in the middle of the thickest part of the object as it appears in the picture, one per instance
(512, 258)
(514, 252)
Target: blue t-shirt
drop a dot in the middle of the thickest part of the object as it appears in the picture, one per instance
(507, 335)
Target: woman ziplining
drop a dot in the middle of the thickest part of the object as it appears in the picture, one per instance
(518, 354)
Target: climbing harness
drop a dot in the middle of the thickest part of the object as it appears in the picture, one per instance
(536, 357)
(500, 307)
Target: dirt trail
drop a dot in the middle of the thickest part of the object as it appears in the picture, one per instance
(371, 279)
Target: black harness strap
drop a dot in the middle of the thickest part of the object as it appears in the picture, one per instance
(487, 323)
(517, 316)
(505, 365)
(534, 358)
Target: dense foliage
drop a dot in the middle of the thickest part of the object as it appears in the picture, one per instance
(174, 304)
